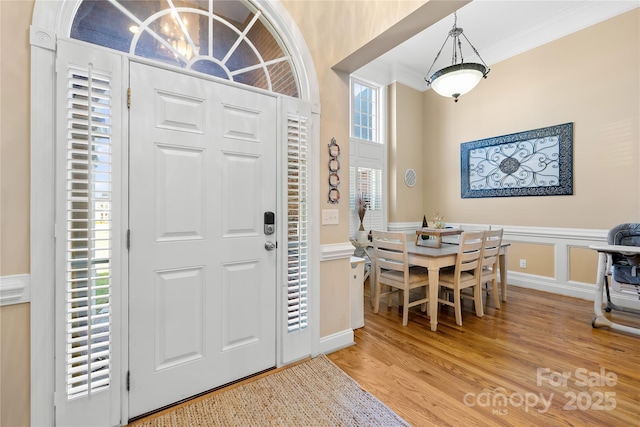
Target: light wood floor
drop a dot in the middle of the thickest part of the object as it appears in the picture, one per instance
(458, 375)
(497, 370)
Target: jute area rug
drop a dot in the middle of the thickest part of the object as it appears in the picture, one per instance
(314, 393)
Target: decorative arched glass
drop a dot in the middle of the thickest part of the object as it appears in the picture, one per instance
(232, 40)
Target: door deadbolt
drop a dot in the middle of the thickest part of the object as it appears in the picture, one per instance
(269, 223)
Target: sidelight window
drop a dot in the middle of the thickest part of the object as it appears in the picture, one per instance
(88, 232)
(297, 223)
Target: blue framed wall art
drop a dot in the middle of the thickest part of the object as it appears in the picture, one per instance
(536, 162)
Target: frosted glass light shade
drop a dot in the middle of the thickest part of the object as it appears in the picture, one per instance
(456, 80)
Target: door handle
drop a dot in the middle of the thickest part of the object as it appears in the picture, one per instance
(270, 246)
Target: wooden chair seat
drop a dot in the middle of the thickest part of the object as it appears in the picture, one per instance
(414, 276)
(466, 274)
(393, 270)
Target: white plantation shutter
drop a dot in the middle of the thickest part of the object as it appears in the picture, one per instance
(296, 286)
(297, 223)
(88, 228)
(88, 266)
(366, 182)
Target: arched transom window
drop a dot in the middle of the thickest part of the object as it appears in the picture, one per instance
(228, 39)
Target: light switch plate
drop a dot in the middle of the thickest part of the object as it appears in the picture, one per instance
(330, 217)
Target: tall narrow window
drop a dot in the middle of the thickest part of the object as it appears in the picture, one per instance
(297, 223)
(364, 111)
(88, 263)
(367, 161)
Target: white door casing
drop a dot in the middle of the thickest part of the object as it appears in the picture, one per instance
(202, 287)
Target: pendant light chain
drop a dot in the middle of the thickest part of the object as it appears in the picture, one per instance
(477, 53)
(459, 77)
(455, 33)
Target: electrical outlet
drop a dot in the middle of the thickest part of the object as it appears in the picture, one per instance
(523, 263)
(330, 217)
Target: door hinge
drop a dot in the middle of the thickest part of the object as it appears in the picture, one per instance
(128, 380)
(128, 239)
(128, 97)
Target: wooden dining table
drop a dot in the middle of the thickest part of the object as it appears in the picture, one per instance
(435, 259)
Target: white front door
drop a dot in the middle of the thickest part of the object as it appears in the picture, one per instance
(202, 284)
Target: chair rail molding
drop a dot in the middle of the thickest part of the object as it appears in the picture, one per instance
(15, 289)
(334, 251)
(404, 226)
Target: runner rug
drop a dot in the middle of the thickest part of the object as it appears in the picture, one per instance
(314, 393)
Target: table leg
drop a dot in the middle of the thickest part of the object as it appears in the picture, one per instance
(372, 279)
(502, 261)
(434, 278)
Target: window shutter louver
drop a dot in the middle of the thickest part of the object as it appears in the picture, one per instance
(88, 232)
(366, 182)
(297, 223)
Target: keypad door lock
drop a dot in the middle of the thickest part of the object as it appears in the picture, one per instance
(269, 223)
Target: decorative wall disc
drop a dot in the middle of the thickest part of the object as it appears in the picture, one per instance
(410, 177)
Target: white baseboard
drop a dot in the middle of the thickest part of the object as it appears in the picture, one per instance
(15, 289)
(337, 341)
(584, 291)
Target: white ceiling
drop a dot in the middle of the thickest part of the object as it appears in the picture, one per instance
(498, 29)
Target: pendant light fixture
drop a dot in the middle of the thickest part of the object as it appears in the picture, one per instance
(459, 77)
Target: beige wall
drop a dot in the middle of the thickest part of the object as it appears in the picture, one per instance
(590, 78)
(583, 265)
(15, 18)
(345, 26)
(540, 259)
(405, 152)
(14, 365)
(333, 30)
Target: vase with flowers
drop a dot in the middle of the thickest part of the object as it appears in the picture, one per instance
(438, 220)
(361, 206)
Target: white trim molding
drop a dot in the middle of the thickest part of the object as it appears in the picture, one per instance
(334, 251)
(337, 341)
(15, 289)
(404, 226)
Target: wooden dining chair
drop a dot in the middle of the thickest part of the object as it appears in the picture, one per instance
(393, 270)
(489, 272)
(465, 274)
